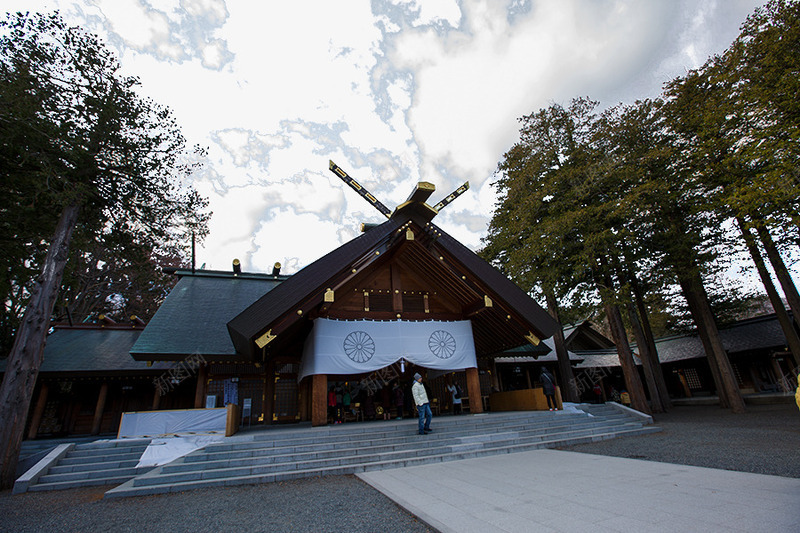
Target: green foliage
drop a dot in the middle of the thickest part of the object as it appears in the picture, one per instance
(645, 193)
(73, 131)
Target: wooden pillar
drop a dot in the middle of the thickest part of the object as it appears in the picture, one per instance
(98, 410)
(269, 391)
(319, 397)
(303, 401)
(474, 391)
(156, 399)
(776, 368)
(38, 411)
(528, 377)
(495, 377)
(200, 389)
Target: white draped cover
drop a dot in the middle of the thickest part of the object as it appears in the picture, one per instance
(359, 346)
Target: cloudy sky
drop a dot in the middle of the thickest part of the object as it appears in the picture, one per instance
(395, 92)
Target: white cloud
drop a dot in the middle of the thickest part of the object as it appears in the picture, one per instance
(393, 91)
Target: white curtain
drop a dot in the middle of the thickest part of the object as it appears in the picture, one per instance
(359, 346)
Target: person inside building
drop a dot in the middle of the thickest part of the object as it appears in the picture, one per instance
(398, 399)
(455, 394)
(331, 404)
(423, 405)
(386, 402)
(598, 393)
(339, 406)
(549, 388)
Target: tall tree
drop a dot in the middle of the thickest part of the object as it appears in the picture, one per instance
(557, 217)
(110, 162)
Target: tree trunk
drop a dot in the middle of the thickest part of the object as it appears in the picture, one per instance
(570, 390)
(659, 397)
(647, 360)
(792, 338)
(26, 355)
(781, 272)
(695, 294)
(661, 383)
(629, 370)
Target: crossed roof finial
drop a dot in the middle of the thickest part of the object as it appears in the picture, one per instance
(416, 199)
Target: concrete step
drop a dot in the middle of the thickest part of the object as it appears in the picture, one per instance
(116, 480)
(393, 435)
(64, 469)
(89, 474)
(210, 458)
(288, 453)
(230, 469)
(129, 488)
(94, 463)
(92, 459)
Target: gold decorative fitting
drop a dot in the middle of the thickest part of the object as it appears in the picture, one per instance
(533, 339)
(464, 277)
(396, 291)
(377, 253)
(328, 298)
(508, 317)
(354, 271)
(398, 315)
(487, 301)
(299, 312)
(409, 234)
(441, 258)
(265, 339)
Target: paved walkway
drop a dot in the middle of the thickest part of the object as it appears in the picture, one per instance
(551, 490)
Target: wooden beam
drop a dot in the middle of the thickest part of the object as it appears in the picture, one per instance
(476, 307)
(421, 193)
(397, 288)
(345, 177)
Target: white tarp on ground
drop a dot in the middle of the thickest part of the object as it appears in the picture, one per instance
(359, 346)
(162, 451)
(161, 423)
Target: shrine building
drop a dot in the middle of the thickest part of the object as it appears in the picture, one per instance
(401, 298)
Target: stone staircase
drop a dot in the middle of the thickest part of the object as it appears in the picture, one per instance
(94, 463)
(278, 454)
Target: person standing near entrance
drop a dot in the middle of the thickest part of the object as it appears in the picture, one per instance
(455, 393)
(549, 388)
(423, 405)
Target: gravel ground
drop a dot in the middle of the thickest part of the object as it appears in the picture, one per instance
(335, 504)
(764, 440)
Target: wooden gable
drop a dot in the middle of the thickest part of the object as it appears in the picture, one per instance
(404, 269)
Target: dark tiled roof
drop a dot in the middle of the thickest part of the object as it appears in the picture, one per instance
(544, 353)
(192, 318)
(248, 323)
(599, 358)
(85, 350)
(747, 335)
